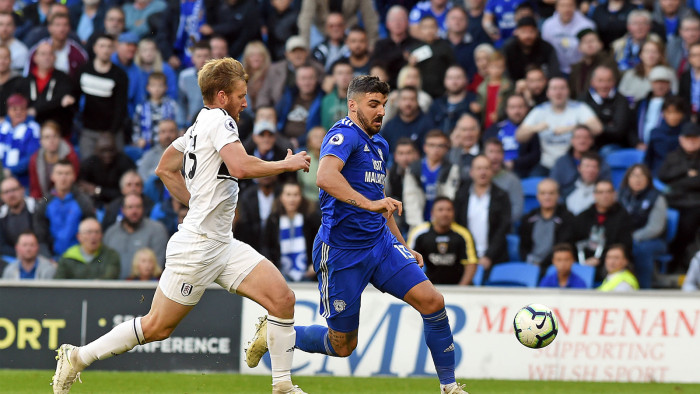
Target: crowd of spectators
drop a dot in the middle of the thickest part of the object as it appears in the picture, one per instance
(487, 95)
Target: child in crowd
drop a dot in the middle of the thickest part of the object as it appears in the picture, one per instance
(493, 90)
(149, 113)
(563, 259)
(664, 138)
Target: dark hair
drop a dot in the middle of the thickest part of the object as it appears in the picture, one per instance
(591, 156)
(217, 37)
(645, 171)
(27, 232)
(534, 67)
(584, 127)
(609, 182)
(405, 141)
(493, 141)
(564, 247)
(64, 162)
(622, 248)
(436, 133)
(357, 29)
(460, 9)
(58, 15)
(409, 89)
(158, 76)
(428, 17)
(104, 36)
(676, 102)
(340, 62)
(442, 198)
(518, 95)
(363, 84)
(202, 44)
(304, 205)
(606, 67)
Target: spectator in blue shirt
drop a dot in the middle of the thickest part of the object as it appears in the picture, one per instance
(123, 57)
(499, 19)
(437, 9)
(19, 138)
(563, 260)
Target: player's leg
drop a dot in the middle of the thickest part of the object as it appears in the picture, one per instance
(342, 276)
(251, 275)
(401, 277)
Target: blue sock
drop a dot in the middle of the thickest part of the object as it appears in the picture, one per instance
(314, 339)
(438, 337)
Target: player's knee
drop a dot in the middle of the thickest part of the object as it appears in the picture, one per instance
(345, 349)
(432, 303)
(152, 331)
(283, 305)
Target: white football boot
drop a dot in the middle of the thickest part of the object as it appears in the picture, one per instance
(286, 387)
(65, 374)
(257, 347)
(454, 388)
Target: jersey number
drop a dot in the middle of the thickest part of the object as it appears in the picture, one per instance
(404, 251)
(193, 157)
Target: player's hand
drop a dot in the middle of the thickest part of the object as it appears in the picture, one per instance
(386, 204)
(299, 161)
(418, 256)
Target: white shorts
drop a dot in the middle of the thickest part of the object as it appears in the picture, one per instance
(193, 262)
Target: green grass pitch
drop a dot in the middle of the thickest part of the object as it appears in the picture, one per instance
(34, 382)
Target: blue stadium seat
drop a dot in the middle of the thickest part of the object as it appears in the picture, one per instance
(672, 218)
(478, 278)
(529, 186)
(133, 152)
(11, 259)
(514, 274)
(153, 188)
(660, 186)
(586, 272)
(513, 247)
(620, 160)
(100, 214)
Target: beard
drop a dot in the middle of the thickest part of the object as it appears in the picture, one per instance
(367, 125)
(132, 224)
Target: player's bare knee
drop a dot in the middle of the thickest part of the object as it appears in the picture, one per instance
(432, 302)
(283, 305)
(152, 331)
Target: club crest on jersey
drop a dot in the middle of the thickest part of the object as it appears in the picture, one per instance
(339, 305)
(186, 289)
(230, 126)
(336, 139)
(442, 247)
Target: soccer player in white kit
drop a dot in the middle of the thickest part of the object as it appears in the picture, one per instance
(204, 250)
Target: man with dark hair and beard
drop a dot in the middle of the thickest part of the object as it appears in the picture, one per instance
(135, 232)
(359, 242)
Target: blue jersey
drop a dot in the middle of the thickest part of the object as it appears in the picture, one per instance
(429, 181)
(344, 225)
(504, 15)
(506, 134)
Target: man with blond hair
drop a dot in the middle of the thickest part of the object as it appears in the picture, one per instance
(204, 251)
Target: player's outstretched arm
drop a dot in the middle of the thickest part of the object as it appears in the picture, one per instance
(334, 183)
(394, 228)
(242, 166)
(169, 171)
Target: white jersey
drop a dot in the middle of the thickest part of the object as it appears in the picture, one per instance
(213, 191)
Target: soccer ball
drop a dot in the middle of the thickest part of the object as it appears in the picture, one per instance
(535, 326)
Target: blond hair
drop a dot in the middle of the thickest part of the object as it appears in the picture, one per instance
(220, 74)
(252, 48)
(158, 58)
(145, 252)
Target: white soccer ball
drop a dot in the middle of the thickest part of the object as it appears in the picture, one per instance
(535, 326)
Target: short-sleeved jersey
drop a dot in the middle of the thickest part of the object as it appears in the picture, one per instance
(423, 9)
(555, 145)
(445, 255)
(344, 225)
(213, 191)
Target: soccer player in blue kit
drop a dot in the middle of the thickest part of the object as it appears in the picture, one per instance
(359, 243)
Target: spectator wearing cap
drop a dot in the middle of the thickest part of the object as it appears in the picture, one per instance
(664, 137)
(19, 138)
(681, 172)
(239, 22)
(610, 19)
(627, 49)
(281, 74)
(611, 108)
(592, 56)
(264, 146)
(648, 110)
(137, 13)
(635, 83)
(123, 58)
(50, 91)
(677, 48)
(103, 87)
(526, 48)
(561, 30)
(690, 81)
(19, 51)
(70, 55)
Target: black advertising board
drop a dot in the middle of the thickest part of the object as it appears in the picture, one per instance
(35, 320)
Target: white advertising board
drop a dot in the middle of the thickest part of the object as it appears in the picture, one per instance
(640, 337)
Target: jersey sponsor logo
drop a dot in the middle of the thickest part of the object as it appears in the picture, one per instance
(336, 139)
(230, 126)
(374, 177)
(339, 305)
(186, 289)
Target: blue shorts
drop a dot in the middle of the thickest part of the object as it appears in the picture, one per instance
(343, 275)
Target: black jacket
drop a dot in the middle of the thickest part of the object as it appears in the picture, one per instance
(542, 54)
(238, 23)
(615, 115)
(48, 102)
(685, 190)
(499, 219)
(248, 226)
(563, 231)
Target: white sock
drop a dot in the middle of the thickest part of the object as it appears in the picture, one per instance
(281, 338)
(120, 339)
